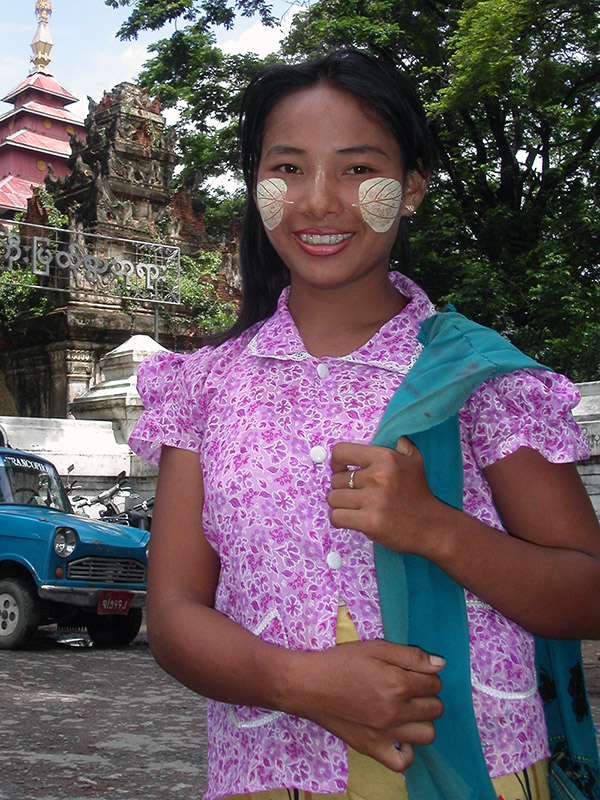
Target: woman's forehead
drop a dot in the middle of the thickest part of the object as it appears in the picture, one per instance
(326, 116)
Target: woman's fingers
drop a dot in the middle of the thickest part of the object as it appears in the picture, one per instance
(405, 447)
(401, 756)
(344, 454)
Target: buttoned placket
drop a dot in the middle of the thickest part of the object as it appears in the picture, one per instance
(320, 455)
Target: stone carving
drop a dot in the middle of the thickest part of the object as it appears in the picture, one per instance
(120, 177)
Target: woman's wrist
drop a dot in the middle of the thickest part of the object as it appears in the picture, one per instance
(289, 673)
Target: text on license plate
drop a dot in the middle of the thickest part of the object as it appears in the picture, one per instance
(111, 602)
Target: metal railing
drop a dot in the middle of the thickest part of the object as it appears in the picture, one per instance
(91, 266)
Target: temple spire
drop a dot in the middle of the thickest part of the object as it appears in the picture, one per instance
(42, 41)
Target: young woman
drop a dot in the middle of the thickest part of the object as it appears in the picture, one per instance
(270, 495)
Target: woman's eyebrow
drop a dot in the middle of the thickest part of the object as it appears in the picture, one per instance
(362, 149)
(284, 150)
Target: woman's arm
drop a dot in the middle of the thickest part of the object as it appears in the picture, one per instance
(545, 576)
(371, 694)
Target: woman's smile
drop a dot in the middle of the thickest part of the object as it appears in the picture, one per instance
(322, 244)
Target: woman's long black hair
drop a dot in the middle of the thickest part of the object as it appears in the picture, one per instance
(372, 80)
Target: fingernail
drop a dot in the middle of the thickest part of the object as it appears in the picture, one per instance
(437, 661)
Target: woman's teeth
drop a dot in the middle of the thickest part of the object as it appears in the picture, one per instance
(312, 238)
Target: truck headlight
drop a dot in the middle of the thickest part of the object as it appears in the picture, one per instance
(65, 541)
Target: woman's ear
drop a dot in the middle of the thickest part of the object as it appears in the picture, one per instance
(415, 186)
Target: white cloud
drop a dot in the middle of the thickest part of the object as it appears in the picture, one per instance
(258, 38)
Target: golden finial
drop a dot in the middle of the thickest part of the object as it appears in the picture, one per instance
(42, 41)
(43, 10)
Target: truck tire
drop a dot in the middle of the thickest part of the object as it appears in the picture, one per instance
(114, 630)
(19, 613)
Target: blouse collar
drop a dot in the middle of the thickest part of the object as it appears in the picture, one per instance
(393, 347)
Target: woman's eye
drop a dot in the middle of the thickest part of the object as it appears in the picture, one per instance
(359, 169)
(288, 169)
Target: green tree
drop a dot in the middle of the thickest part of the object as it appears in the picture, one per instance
(20, 296)
(190, 73)
(510, 229)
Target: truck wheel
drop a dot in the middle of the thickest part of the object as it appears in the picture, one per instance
(19, 613)
(114, 630)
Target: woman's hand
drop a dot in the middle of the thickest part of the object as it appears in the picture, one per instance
(379, 697)
(390, 502)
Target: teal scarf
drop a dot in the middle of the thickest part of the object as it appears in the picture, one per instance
(422, 606)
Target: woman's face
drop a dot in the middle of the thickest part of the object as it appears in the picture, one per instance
(331, 187)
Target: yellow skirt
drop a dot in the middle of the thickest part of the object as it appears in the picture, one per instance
(370, 780)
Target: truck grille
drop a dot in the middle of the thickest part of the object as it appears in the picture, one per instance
(108, 570)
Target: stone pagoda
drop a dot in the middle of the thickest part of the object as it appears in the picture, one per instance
(35, 135)
(119, 183)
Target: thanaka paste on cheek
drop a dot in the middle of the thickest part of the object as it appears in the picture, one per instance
(271, 202)
(379, 201)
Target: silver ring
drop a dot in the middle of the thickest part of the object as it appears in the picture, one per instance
(351, 481)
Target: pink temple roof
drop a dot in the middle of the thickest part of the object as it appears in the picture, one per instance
(38, 141)
(48, 111)
(44, 83)
(14, 192)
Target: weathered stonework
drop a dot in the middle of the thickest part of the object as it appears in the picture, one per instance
(54, 359)
(119, 184)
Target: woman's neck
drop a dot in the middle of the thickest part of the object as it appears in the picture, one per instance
(337, 322)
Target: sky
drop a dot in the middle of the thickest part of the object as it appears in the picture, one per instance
(87, 58)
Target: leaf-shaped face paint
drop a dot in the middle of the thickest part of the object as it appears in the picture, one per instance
(379, 201)
(270, 199)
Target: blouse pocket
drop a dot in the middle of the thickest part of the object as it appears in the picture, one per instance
(502, 655)
(272, 630)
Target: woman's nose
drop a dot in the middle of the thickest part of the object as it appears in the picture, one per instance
(320, 195)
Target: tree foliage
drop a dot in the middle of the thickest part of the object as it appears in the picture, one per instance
(154, 14)
(20, 296)
(188, 72)
(202, 302)
(510, 229)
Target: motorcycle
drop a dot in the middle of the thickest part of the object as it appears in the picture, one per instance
(137, 516)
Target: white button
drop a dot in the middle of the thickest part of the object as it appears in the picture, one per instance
(318, 454)
(334, 560)
(322, 370)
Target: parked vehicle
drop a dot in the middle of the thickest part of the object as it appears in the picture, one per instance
(59, 567)
(136, 516)
(105, 498)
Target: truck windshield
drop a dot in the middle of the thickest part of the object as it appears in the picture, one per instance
(26, 481)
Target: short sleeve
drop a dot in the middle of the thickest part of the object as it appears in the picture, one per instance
(526, 408)
(170, 387)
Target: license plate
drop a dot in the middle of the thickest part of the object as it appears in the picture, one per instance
(111, 602)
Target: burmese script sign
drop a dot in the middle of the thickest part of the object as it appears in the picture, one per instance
(87, 264)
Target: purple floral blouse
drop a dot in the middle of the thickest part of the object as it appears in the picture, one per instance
(264, 414)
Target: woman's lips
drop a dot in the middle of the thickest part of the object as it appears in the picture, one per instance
(322, 244)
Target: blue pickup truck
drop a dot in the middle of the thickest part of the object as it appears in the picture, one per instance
(61, 567)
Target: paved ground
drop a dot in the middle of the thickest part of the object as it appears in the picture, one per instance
(92, 724)
(80, 723)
